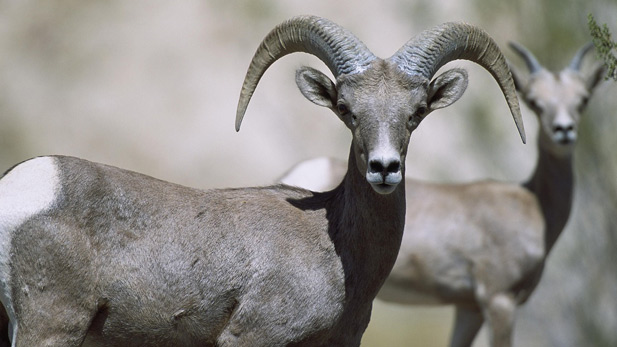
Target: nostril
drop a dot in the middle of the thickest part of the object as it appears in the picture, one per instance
(559, 129)
(376, 166)
(563, 128)
(394, 166)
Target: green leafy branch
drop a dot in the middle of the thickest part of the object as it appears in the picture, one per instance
(604, 46)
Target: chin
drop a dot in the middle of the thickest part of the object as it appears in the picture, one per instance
(383, 188)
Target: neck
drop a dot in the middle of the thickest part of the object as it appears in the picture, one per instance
(377, 223)
(368, 229)
(553, 184)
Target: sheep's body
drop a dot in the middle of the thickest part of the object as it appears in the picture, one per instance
(129, 260)
(454, 249)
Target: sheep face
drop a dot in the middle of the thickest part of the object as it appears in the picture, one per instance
(557, 98)
(381, 106)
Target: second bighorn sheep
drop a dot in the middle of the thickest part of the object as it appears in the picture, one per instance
(482, 246)
(95, 255)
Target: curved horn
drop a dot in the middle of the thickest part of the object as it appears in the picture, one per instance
(433, 48)
(337, 47)
(532, 63)
(576, 62)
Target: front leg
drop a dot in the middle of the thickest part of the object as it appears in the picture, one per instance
(53, 321)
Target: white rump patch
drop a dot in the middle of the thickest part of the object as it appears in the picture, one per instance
(28, 189)
(318, 175)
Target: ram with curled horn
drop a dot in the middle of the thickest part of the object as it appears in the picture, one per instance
(96, 255)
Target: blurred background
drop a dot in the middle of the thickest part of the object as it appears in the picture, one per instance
(152, 86)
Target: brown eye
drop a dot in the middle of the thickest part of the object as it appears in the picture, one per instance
(342, 109)
(420, 111)
(414, 119)
(533, 105)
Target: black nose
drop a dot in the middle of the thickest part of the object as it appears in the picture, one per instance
(563, 128)
(385, 168)
(564, 134)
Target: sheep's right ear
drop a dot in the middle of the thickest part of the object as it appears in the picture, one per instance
(316, 87)
(447, 88)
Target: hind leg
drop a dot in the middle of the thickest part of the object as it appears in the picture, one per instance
(467, 323)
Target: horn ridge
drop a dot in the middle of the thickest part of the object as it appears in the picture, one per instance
(337, 47)
(435, 47)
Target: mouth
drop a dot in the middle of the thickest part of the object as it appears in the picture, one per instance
(383, 184)
(383, 188)
(565, 140)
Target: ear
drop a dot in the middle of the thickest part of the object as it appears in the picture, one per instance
(597, 74)
(316, 87)
(447, 88)
(519, 80)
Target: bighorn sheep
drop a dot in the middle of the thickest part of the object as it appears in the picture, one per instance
(482, 246)
(96, 255)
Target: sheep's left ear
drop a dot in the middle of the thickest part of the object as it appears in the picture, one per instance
(447, 88)
(597, 74)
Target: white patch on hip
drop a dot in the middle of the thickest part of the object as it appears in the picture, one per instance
(314, 174)
(30, 188)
